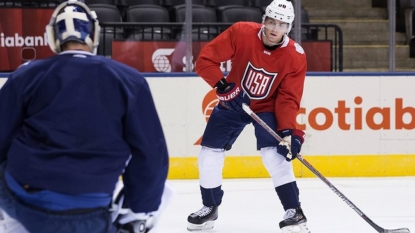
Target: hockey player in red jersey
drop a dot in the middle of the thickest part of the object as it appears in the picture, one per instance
(268, 72)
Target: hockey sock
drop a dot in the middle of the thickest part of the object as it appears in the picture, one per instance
(212, 197)
(289, 195)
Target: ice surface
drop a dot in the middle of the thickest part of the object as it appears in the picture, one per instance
(252, 205)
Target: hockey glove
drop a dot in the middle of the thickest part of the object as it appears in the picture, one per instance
(290, 146)
(126, 221)
(232, 97)
(135, 223)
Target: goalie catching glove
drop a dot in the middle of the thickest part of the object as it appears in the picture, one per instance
(231, 95)
(292, 140)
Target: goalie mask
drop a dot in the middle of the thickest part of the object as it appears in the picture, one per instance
(73, 21)
(281, 10)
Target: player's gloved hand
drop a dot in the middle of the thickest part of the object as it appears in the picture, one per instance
(290, 146)
(126, 221)
(232, 97)
(135, 222)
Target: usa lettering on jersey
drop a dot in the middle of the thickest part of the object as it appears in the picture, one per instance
(257, 82)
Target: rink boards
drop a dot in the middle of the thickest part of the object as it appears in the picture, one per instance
(357, 124)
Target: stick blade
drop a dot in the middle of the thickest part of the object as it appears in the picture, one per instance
(400, 230)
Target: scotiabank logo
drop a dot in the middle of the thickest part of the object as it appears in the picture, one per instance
(19, 41)
(347, 115)
(160, 60)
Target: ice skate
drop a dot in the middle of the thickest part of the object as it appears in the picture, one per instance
(202, 219)
(294, 221)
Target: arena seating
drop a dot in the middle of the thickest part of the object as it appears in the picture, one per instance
(235, 13)
(219, 3)
(110, 2)
(172, 3)
(160, 11)
(108, 13)
(147, 13)
(200, 14)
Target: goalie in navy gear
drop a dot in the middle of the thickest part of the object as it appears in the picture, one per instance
(268, 73)
(70, 126)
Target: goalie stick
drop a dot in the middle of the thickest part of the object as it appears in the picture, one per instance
(379, 229)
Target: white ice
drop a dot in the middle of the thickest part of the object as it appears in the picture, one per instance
(252, 205)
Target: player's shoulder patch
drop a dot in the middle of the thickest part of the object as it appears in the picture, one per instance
(298, 48)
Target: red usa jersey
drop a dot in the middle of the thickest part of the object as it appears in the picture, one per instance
(273, 79)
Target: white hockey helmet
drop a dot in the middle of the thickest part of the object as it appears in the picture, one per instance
(282, 10)
(73, 21)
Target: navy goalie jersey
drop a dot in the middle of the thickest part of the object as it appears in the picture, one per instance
(72, 122)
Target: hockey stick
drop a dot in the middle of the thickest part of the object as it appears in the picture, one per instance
(379, 229)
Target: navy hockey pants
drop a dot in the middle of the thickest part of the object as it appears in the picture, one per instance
(224, 127)
(38, 220)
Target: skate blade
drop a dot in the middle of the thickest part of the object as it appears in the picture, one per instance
(200, 227)
(300, 228)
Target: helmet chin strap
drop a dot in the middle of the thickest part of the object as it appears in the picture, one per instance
(266, 37)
